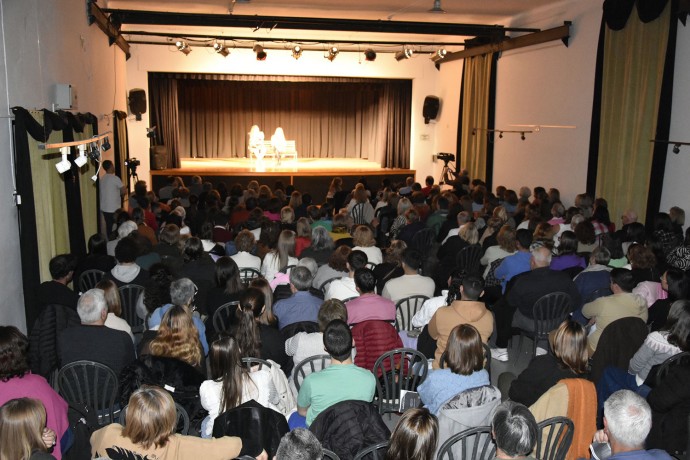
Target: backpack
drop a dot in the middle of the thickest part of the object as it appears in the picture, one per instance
(83, 421)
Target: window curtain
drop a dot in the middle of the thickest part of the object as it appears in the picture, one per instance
(327, 117)
(476, 111)
(165, 117)
(632, 104)
(58, 211)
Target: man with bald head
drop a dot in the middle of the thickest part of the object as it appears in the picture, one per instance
(523, 292)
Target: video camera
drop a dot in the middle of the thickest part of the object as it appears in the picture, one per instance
(446, 157)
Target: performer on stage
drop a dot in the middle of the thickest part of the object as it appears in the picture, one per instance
(279, 144)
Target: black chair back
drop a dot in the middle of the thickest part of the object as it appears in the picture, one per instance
(375, 452)
(89, 279)
(251, 362)
(555, 437)
(248, 274)
(475, 444)
(92, 384)
(329, 455)
(222, 317)
(406, 309)
(423, 240)
(468, 259)
(129, 296)
(309, 366)
(325, 284)
(357, 214)
(397, 370)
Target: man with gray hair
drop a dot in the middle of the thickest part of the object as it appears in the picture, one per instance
(123, 231)
(182, 294)
(515, 431)
(299, 444)
(627, 421)
(526, 289)
(301, 305)
(92, 340)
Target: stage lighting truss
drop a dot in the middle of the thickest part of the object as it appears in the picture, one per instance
(439, 55)
(297, 51)
(332, 53)
(221, 49)
(406, 53)
(183, 47)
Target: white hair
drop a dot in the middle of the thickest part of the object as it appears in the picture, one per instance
(126, 228)
(628, 418)
(542, 256)
(91, 305)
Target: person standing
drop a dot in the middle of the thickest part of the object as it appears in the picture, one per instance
(111, 192)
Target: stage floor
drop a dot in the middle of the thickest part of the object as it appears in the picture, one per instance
(302, 166)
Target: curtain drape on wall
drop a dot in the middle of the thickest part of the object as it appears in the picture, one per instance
(165, 116)
(327, 117)
(58, 212)
(475, 110)
(632, 104)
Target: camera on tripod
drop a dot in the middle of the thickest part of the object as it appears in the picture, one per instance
(446, 157)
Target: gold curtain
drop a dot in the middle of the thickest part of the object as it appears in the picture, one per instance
(87, 189)
(631, 87)
(52, 232)
(475, 114)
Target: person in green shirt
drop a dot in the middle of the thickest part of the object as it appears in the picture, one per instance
(341, 381)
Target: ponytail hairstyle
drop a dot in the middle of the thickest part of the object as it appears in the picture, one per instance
(227, 368)
(247, 332)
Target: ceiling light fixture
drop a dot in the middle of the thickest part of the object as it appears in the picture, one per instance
(297, 51)
(260, 53)
(522, 136)
(439, 55)
(183, 47)
(105, 145)
(64, 165)
(406, 53)
(437, 8)
(332, 53)
(370, 55)
(676, 148)
(220, 49)
(81, 160)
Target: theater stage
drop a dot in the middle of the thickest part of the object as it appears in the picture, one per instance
(311, 175)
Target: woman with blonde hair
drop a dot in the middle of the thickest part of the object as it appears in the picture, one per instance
(506, 246)
(303, 239)
(403, 205)
(360, 200)
(469, 233)
(178, 338)
(567, 359)
(149, 432)
(280, 257)
(23, 431)
(415, 436)
(363, 240)
(112, 298)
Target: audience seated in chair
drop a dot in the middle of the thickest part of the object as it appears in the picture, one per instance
(345, 287)
(302, 305)
(299, 444)
(514, 430)
(415, 436)
(56, 291)
(411, 283)
(369, 305)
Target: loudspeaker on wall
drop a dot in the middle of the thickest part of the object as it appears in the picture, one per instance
(430, 109)
(137, 102)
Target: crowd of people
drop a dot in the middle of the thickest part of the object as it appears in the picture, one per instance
(266, 272)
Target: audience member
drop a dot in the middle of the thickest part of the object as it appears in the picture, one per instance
(302, 305)
(96, 259)
(391, 267)
(516, 263)
(127, 271)
(415, 436)
(23, 431)
(299, 444)
(368, 305)
(245, 244)
(281, 257)
(514, 430)
(114, 319)
(363, 240)
(345, 288)
(411, 283)
(56, 291)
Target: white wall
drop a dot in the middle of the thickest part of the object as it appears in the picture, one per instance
(47, 43)
(425, 78)
(676, 190)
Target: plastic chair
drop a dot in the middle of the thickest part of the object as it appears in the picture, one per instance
(548, 313)
(468, 259)
(406, 309)
(251, 362)
(349, 298)
(370, 265)
(314, 364)
(89, 279)
(423, 240)
(325, 284)
(399, 369)
(287, 269)
(182, 419)
(555, 437)
(248, 274)
(222, 316)
(375, 452)
(357, 214)
(129, 296)
(487, 359)
(92, 384)
(329, 455)
(475, 443)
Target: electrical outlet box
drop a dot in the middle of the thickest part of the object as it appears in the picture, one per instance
(64, 96)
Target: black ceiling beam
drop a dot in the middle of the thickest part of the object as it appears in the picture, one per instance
(296, 23)
(95, 15)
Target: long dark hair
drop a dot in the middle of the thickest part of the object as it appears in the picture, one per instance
(247, 331)
(226, 367)
(228, 275)
(157, 292)
(678, 324)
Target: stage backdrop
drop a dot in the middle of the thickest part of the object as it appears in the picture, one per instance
(209, 115)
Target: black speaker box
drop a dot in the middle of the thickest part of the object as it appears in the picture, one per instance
(159, 157)
(137, 102)
(431, 106)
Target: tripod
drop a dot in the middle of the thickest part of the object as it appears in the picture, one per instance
(447, 174)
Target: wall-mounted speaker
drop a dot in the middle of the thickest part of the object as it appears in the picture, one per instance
(430, 109)
(137, 102)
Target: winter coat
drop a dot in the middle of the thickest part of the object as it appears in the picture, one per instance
(44, 353)
(372, 339)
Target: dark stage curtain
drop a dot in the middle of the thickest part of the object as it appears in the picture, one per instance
(326, 117)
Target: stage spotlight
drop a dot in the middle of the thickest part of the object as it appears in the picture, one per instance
(260, 53)
(522, 136)
(437, 8)
(406, 53)
(105, 146)
(297, 51)
(93, 152)
(439, 55)
(183, 47)
(64, 165)
(332, 53)
(370, 55)
(81, 159)
(220, 49)
(676, 148)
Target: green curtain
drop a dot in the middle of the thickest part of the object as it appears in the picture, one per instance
(631, 87)
(475, 114)
(89, 204)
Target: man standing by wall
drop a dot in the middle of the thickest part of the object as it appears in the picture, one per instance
(111, 192)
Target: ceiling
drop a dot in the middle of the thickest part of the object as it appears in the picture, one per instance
(385, 24)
